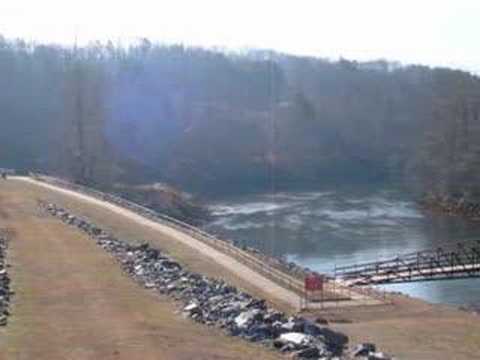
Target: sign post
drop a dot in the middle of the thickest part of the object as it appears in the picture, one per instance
(313, 285)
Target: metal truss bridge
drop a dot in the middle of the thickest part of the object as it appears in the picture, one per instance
(458, 261)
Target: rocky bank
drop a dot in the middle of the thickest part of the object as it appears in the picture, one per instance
(167, 200)
(452, 205)
(5, 291)
(215, 303)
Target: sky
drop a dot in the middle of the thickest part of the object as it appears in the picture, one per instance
(429, 32)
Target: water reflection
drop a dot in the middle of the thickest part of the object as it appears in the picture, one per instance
(327, 228)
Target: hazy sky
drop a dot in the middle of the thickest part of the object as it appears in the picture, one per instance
(433, 32)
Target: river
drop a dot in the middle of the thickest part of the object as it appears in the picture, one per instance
(321, 229)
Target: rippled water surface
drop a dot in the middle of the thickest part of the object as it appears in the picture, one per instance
(321, 229)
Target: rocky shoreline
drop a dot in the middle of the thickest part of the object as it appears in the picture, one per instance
(215, 303)
(5, 291)
(452, 206)
(167, 200)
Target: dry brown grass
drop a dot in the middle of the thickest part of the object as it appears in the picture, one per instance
(414, 329)
(73, 302)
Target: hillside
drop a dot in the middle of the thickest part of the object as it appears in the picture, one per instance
(207, 121)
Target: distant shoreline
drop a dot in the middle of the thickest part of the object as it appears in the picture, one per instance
(451, 206)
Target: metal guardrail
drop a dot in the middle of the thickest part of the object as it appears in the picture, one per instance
(461, 260)
(9, 172)
(274, 274)
(269, 268)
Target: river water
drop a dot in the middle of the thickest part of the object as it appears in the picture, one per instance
(321, 229)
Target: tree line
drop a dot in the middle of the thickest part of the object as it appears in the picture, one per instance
(205, 120)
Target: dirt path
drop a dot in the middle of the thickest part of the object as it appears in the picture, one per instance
(225, 261)
(73, 302)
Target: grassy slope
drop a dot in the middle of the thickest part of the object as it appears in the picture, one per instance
(73, 302)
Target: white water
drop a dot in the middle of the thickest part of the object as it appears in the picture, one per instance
(322, 229)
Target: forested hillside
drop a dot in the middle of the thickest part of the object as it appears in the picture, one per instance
(205, 120)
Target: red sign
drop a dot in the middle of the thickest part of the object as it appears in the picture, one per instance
(313, 282)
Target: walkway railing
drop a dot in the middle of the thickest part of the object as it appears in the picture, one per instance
(461, 260)
(270, 268)
(261, 266)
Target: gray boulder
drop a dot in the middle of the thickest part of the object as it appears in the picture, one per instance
(363, 349)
